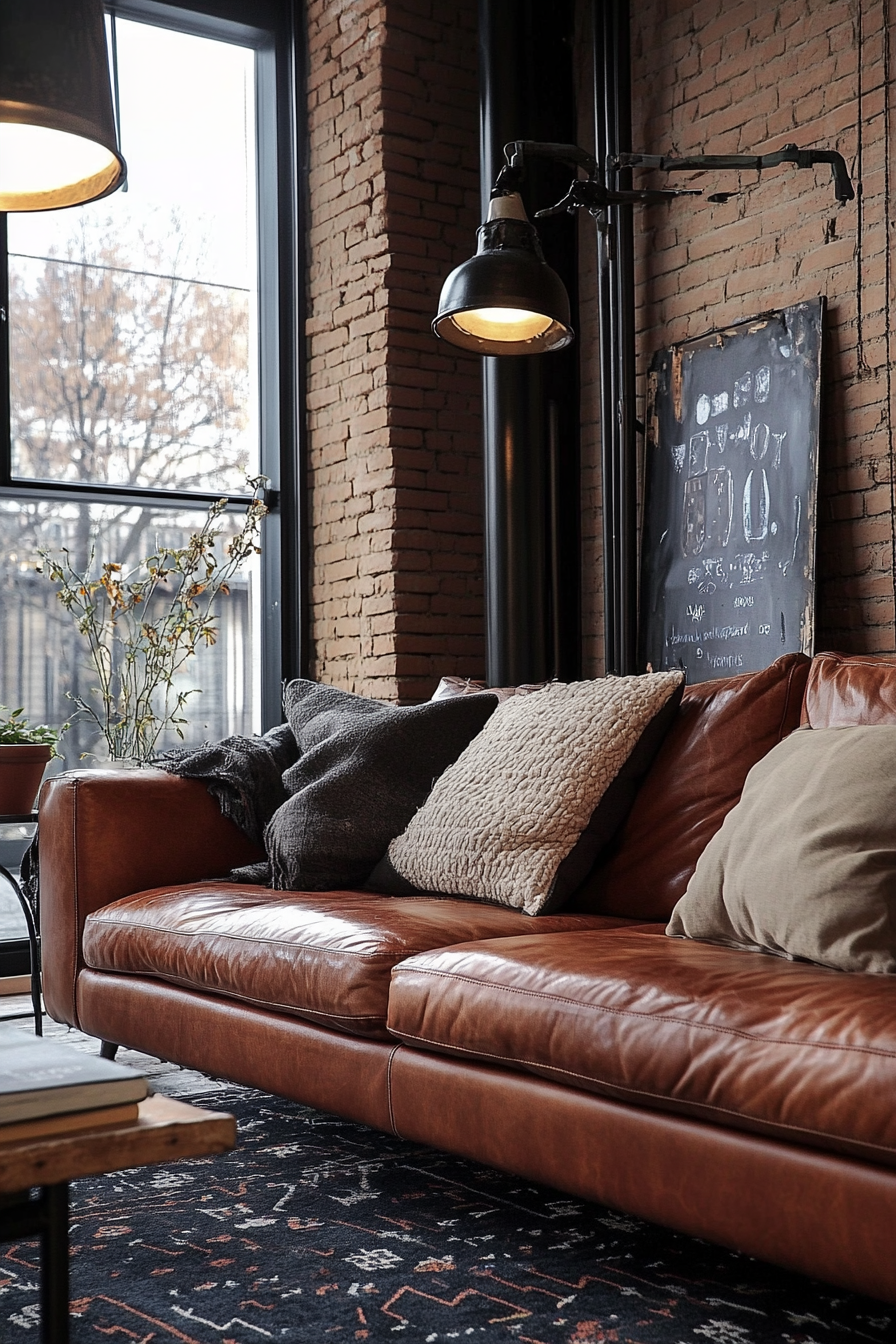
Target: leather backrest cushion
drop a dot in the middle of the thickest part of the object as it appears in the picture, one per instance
(722, 729)
(849, 692)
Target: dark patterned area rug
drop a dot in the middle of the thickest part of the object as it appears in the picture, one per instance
(317, 1229)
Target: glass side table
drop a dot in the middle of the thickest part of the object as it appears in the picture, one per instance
(32, 916)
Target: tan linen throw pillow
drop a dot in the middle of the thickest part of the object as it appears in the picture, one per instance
(502, 820)
(805, 865)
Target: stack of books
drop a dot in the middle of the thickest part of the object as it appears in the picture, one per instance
(48, 1089)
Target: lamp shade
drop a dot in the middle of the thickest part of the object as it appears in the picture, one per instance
(58, 145)
(506, 300)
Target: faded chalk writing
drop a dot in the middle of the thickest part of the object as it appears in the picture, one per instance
(717, 633)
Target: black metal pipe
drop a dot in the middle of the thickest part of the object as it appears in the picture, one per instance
(624, 268)
(514, 466)
(555, 537)
(515, 536)
(292, 216)
(526, 92)
(616, 310)
(606, 344)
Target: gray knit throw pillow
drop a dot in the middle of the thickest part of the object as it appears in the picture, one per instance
(364, 769)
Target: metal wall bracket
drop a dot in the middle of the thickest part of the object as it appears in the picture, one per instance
(592, 193)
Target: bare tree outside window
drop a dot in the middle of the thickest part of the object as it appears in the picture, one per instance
(127, 377)
(133, 332)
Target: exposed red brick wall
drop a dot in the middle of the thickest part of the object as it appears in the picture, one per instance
(393, 418)
(749, 77)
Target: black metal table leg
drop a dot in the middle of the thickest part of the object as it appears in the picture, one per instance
(54, 1266)
(44, 1216)
(33, 947)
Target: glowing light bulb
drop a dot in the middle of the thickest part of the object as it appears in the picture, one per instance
(41, 168)
(503, 324)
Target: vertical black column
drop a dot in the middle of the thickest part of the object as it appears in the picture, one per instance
(516, 590)
(532, 620)
(616, 295)
(5, 409)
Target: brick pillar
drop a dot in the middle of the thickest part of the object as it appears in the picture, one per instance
(393, 415)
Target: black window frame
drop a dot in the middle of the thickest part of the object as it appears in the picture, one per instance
(271, 30)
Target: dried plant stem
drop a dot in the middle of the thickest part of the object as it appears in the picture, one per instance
(136, 656)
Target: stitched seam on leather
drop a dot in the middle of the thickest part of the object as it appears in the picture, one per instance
(245, 938)
(786, 702)
(654, 1017)
(642, 1092)
(246, 998)
(393, 1052)
(855, 658)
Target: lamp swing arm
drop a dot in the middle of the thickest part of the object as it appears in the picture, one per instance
(517, 151)
(592, 193)
(589, 193)
(791, 153)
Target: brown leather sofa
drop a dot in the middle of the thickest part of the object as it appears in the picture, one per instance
(730, 1095)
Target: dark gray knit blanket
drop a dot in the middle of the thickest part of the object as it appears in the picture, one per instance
(328, 790)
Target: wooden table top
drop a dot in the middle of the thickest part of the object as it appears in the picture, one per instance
(164, 1131)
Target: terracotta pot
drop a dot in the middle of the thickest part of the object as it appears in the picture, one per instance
(21, 771)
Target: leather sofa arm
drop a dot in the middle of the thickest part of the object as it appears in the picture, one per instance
(105, 834)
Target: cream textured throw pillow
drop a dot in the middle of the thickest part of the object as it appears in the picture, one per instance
(805, 864)
(517, 819)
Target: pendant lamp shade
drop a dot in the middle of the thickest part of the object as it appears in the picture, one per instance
(58, 145)
(506, 300)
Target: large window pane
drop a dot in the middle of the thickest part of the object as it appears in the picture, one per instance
(133, 321)
(42, 656)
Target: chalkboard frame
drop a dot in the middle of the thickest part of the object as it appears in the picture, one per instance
(731, 484)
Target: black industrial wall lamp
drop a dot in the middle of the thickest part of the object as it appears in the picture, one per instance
(506, 300)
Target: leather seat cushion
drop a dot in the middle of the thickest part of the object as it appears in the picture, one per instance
(733, 1038)
(323, 956)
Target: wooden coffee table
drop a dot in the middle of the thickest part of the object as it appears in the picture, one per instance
(164, 1131)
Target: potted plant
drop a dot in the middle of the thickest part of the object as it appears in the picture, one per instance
(25, 750)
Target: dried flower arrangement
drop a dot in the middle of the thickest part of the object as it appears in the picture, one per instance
(136, 656)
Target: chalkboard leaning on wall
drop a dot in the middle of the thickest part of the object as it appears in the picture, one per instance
(728, 542)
